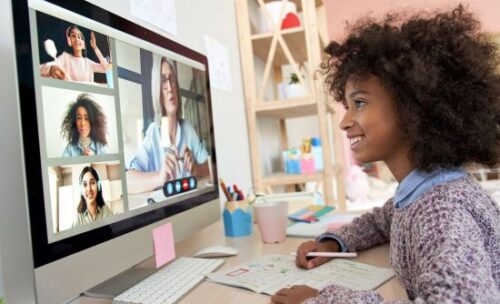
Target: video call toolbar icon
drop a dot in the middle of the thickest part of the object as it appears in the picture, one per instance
(179, 186)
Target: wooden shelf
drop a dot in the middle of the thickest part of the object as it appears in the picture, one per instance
(294, 39)
(298, 3)
(278, 179)
(287, 108)
(303, 45)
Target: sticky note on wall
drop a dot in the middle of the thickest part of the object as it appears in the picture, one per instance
(163, 242)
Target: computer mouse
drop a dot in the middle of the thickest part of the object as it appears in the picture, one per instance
(216, 251)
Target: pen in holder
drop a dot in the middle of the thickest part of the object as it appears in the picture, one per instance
(237, 217)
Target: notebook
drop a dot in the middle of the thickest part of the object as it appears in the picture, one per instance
(312, 230)
(270, 273)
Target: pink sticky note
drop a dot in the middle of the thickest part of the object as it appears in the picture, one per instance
(163, 238)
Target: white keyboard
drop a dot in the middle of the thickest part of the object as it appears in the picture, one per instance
(170, 283)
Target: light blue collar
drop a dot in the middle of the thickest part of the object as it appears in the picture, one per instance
(418, 182)
(92, 146)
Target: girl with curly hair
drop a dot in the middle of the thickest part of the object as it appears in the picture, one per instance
(84, 127)
(422, 94)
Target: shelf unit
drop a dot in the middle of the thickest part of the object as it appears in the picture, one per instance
(299, 48)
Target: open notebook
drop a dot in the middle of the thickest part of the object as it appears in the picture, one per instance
(270, 273)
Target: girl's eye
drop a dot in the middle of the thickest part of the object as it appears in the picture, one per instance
(359, 103)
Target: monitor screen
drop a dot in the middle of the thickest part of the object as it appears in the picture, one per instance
(117, 126)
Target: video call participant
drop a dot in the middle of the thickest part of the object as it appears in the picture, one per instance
(171, 148)
(75, 65)
(92, 206)
(84, 127)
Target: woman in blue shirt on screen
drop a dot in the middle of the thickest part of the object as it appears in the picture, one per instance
(171, 149)
(84, 127)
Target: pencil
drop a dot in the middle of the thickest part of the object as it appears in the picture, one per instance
(330, 254)
(224, 189)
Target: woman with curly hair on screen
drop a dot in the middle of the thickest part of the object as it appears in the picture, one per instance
(422, 94)
(84, 127)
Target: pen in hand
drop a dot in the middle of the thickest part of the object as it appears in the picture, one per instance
(329, 254)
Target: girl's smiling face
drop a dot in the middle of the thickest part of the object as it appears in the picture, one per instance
(89, 188)
(77, 41)
(371, 123)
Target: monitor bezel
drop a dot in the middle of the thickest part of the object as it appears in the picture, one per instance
(43, 251)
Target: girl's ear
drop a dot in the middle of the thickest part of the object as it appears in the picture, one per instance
(68, 40)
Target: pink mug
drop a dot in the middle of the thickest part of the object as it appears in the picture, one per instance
(271, 217)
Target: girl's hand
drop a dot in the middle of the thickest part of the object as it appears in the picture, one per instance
(87, 152)
(58, 73)
(294, 295)
(312, 246)
(93, 44)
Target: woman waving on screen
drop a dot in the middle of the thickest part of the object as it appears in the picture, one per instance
(74, 65)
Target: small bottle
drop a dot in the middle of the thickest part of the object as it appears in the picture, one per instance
(317, 153)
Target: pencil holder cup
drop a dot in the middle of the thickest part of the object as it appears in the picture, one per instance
(237, 218)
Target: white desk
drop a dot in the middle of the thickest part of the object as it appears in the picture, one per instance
(250, 247)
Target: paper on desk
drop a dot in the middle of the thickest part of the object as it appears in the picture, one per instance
(163, 244)
(270, 273)
(312, 230)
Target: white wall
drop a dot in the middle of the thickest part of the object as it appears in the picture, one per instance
(196, 18)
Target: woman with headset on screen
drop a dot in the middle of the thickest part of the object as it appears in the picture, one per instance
(75, 65)
(84, 127)
(91, 207)
(171, 149)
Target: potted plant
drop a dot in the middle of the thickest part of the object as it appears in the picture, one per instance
(295, 88)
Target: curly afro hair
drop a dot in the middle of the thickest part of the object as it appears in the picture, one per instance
(443, 74)
(97, 120)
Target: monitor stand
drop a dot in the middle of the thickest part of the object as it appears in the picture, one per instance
(114, 286)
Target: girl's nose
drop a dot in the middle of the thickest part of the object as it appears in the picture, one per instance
(346, 121)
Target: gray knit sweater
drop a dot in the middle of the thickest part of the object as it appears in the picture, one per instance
(445, 247)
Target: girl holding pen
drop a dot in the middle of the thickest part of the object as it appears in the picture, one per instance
(422, 94)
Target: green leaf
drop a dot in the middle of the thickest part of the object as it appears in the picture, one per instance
(294, 78)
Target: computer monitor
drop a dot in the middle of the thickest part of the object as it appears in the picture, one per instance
(118, 138)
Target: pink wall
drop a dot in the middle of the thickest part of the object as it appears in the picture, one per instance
(340, 11)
